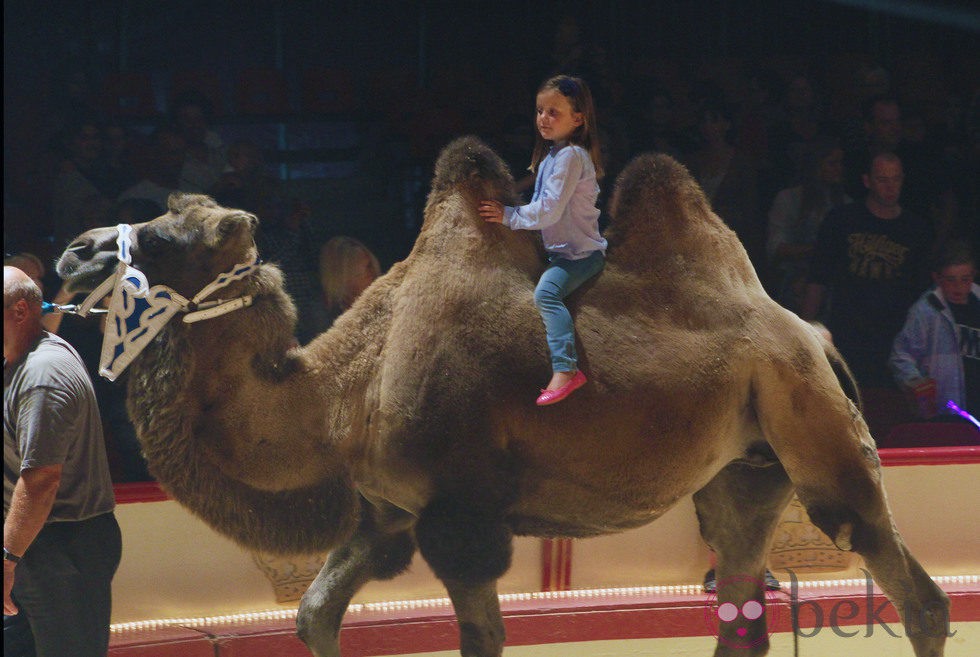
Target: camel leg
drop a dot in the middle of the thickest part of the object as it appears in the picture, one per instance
(481, 627)
(825, 447)
(865, 526)
(371, 553)
(738, 511)
(468, 547)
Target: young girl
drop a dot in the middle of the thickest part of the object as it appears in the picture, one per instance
(566, 161)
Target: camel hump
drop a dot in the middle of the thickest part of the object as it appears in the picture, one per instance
(467, 161)
(655, 195)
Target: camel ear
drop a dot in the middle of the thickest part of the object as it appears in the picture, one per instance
(235, 222)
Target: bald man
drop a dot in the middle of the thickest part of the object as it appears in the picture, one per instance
(61, 542)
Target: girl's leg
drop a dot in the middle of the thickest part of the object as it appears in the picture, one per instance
(559, 280)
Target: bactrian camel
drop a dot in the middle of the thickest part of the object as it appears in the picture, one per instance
(411, 422)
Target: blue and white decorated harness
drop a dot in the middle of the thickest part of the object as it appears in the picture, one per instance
(137, 312)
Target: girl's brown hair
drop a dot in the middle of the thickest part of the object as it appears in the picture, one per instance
(586, 135)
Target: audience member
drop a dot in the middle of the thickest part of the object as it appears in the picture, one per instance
(347, 268)
(922, 161)
(882, 125)
(119, 146)
(205, 155)
(82, 181)
(760, 111)
(28, 263)
(290, 240)
(867, 263)
(654, 126)
(936, 356)
(795, 216)
(135, 211)
(799, 122)
(162, 166)
(729, 179)
(870, 80)
(31, 265)
(514, 143)
(62, 544)
(246, 184)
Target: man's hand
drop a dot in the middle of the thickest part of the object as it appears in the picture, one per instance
(9, 608)
(30, 506)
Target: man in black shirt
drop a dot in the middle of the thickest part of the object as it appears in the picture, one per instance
(868, 264)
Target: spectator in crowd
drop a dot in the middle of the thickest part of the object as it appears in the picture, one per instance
(867, 262)
(28, 263)
(869, 80)
(347, 268)
(882, 121)
(795, 216)
(205, 158)
(729, 179)
(163, 164)
(922, 161)
(119, 144)
(61, 542)
(800, 121)
(246, 184)
(936, 356)
(516, 139)
(83, 182)
(289, 239)
(31, 265)
(654, 126)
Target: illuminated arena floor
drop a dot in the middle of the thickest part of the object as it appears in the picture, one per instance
(836, 617)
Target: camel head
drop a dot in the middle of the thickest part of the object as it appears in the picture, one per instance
(185, 249)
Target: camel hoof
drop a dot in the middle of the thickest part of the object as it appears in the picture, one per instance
(843, 538)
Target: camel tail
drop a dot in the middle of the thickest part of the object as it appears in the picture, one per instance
(841, 369)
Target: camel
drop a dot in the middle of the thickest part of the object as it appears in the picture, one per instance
(410, 424)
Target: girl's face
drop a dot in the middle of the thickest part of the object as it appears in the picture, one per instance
(556, 120)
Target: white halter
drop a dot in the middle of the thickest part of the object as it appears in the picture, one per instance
(137, 312)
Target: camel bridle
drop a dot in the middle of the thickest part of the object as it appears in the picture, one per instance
(137, 312)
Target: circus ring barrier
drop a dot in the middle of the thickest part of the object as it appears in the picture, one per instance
(183, 590)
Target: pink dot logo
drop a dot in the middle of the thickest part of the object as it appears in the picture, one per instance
(736, 617)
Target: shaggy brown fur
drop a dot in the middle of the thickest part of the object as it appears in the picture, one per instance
(420, 400)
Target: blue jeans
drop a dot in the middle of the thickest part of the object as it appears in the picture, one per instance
(63, 588)
(561, 278)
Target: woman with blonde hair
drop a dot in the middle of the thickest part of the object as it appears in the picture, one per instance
(347, 268)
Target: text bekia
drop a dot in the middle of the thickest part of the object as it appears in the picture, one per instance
(843, 616)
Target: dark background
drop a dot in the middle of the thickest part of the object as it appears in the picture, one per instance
(422, 72)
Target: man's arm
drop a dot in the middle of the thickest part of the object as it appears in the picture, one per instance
(30, 507)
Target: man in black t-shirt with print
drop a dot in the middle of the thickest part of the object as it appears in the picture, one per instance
(868, 264)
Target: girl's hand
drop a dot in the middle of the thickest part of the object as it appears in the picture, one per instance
(492, 211)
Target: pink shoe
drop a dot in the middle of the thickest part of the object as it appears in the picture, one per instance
(555, 396)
